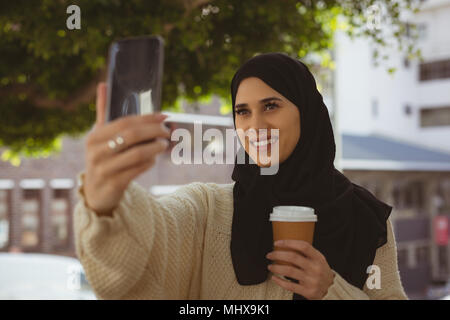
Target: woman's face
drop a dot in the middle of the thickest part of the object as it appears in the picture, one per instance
(258, 106)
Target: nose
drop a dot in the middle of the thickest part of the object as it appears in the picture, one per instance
(257, 122)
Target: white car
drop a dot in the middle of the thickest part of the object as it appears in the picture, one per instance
(36, 276)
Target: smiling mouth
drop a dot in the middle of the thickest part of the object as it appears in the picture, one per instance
(264, 143)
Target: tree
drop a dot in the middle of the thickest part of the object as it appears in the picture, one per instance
(48, 73)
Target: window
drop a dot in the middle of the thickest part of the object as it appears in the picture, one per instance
(60, 217)
(396, 196)
(408, 110)
(374, 108)
(435, 117)
(434, 70)
(408, 197)
(422, 31)
(4, 218)
(423, 254)
(444, 193)
(406, 62)
(408, 29)
(442, 259)
(411, 256)
(419, 195)
(402, 257)
(30, 218)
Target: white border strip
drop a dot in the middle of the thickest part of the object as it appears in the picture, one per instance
(204, 119)
(355, 164)
(6, 184)
(62, 183)
(32, 183)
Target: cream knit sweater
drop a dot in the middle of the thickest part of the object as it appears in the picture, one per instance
(177, 246)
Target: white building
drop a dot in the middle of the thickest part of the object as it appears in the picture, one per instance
(413, 104)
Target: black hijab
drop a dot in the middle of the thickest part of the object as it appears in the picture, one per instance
(351, 221)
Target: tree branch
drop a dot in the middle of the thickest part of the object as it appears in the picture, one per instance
(85, 94)
(190, 5)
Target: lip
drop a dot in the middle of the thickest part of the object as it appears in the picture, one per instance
(264, 146)
(261, 139)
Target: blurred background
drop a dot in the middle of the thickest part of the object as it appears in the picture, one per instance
(383, 68)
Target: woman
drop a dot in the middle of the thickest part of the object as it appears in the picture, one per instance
(214, 241)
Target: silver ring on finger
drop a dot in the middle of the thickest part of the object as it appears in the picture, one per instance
(116, 144)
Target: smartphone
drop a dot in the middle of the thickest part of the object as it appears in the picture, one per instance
(135, 70)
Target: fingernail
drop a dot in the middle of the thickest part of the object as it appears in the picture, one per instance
(161, 116)
(278, 242)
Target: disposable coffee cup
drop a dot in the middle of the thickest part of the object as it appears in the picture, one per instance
(292, 223)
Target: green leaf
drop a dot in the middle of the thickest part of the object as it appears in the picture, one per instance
(392, 70)
(225, 107)
(46, 62)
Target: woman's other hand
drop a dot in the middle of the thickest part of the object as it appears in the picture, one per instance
(310, 268)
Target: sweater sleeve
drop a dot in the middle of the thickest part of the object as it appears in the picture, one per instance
(390, 286)
(150, 248)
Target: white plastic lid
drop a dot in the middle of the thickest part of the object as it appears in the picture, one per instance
(293, 214)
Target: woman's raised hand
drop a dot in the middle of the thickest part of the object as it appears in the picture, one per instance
(108, 172)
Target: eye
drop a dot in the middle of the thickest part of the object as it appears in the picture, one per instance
(271, 104)
(239, 112)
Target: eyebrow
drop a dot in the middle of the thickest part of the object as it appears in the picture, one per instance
(242, 105)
